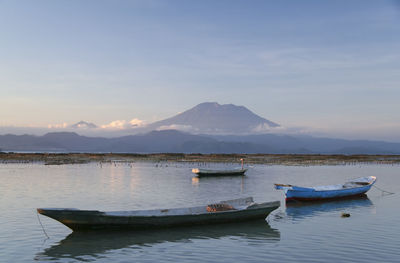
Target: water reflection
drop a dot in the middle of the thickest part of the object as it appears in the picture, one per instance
(308, 209)
(195, 181)
(232, 180)
(94, 244)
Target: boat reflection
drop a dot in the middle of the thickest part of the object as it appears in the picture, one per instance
(308, 209)
(209, 180)
(94, 244)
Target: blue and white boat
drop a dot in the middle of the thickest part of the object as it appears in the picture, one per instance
(355, 187)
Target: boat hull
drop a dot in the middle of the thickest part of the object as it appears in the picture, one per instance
(211, 173)
(299, 195)
(80, 220)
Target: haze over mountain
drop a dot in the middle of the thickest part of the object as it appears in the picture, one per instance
(214, 118)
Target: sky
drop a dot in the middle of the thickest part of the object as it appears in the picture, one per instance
(329, 68)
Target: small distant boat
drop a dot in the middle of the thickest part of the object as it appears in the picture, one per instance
(356, 187)
(206, 172)
(223, 212)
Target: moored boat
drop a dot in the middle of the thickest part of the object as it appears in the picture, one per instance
(233, 172)
(223, 212)
(355, 187)
(206, 172)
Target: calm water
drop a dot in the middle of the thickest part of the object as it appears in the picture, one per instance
(313, 233)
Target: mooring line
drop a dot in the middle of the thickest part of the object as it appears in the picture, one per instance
(44, 231)
(383, 191)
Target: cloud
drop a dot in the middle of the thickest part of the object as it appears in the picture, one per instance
(123, 124)
(179, 127)
(58, 126)
(117, 124)
(265, 128)
(137, 122)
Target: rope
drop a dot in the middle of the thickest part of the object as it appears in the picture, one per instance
(44, 231)
(383, 191)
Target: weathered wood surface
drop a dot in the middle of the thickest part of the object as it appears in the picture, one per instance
(79, 220)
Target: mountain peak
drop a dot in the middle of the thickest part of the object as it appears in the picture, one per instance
(215, 118)
(83, 125)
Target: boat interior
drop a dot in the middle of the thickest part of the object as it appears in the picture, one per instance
(230, 205)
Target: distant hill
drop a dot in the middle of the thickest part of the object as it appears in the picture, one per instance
(57, 141)
(214, 118)
(309, 144)
(179, 142)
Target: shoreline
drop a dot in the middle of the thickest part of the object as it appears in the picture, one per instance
(270, 159)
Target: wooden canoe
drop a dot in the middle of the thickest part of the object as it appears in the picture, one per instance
(227, 211)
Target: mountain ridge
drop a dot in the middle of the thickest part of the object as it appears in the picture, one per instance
(173, 141)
